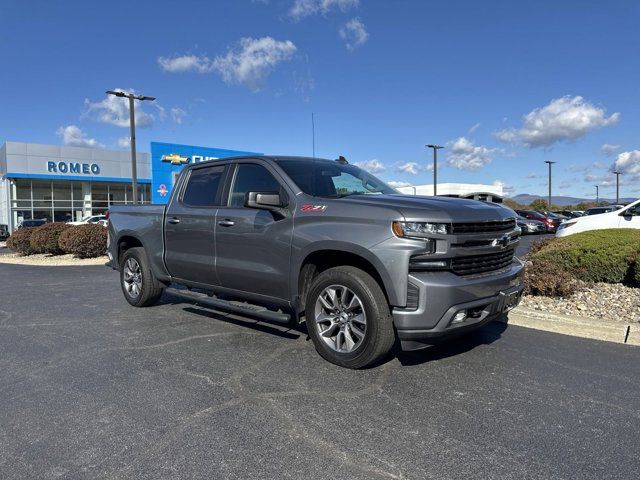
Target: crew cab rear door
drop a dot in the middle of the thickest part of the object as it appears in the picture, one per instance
(190, 225)
(253, 246)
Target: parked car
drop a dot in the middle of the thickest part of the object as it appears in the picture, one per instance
(577, 213)
(550, 222)
(100, 219)
(628, 217)
(36, 222)
(324, 242)
(4, 232)
(599, 210)
(568, 214)
(528, 225)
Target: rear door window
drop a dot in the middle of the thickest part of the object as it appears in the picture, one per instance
(204, 187)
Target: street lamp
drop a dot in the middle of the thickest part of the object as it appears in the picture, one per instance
(132, 127)
(617, 174)
(549, 162)
(435, 167)
(597, 196)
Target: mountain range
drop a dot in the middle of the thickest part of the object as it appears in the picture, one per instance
(526, 199)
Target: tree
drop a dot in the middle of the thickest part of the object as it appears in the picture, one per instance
(539, 205)
(512, 204)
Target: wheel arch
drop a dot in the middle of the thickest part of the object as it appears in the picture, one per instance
(333, 254)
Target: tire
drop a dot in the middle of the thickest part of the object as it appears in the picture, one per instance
(139, 286)
(331, 329)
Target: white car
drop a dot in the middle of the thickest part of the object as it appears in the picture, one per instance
(100, 219)
(625, 217)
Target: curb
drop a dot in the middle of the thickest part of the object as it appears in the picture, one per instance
(625, 333)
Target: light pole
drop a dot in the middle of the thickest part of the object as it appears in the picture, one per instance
(597, 196)
(617, 174)
(132, 127)
(549, 162)
(435, 167)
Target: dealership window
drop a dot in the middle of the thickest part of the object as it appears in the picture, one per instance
(65, 201)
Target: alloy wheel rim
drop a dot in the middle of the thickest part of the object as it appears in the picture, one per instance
(340, 318)
(132, 278)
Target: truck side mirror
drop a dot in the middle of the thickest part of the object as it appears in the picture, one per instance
(265, 200)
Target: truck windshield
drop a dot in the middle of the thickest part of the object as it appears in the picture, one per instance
(324, 178)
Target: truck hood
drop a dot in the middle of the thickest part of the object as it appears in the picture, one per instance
(435, 209)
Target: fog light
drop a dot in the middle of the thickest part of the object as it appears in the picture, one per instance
(460, 316)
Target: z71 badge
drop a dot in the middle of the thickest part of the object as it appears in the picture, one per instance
(307, 207)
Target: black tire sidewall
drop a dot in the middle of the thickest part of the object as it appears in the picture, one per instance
(150, 292)
(373, 303)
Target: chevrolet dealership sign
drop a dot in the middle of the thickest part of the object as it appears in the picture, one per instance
(167, 159)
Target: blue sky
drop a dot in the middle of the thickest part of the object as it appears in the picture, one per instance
(504, 85)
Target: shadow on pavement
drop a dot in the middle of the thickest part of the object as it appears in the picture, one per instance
(454, 346)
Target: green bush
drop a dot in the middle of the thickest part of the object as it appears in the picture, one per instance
(609, 256)
(548, 279)
(84, 241)
(20, 240)
(45, 238)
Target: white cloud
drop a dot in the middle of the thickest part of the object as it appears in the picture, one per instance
(474, 128)
(252, 60)
(178, 114)
(124, 142)
(563, 119)
(354, 33)
(506, 188)
(410, 167)
(305, 8)
(396, 184)
(115, 111)
(74, 136)
(608, 148)
(371, 166)
(627, 163)
(186, 63)
(464, 155)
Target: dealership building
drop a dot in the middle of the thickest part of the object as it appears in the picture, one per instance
(62, 183)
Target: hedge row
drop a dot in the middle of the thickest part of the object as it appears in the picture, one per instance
(609, 256)
(83, 241)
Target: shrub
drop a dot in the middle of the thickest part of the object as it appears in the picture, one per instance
(45, 238)
(547, 279)
(20, 240)
(84, 241)
(597, 256)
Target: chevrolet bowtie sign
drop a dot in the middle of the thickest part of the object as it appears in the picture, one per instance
(175, 159)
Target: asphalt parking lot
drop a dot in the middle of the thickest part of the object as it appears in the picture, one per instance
(92, 388)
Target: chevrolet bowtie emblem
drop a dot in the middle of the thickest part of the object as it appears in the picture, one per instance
(175, 159)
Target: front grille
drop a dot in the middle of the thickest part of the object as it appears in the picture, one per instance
(484, 227)
(413, 297)
(476, 264)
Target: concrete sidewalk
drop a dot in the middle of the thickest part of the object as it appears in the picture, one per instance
(576, 326)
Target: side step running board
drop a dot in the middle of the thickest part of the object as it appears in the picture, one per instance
(231, 306)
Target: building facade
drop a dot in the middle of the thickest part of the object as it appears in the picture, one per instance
(60, 183)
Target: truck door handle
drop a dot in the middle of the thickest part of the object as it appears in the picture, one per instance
(226, 223)
(174, 220)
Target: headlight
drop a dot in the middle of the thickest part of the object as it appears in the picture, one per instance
(418, 229)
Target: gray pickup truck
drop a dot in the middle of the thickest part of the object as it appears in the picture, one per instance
(290, 239)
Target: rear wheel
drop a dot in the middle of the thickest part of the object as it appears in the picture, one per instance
(139, 286)
(348, 318)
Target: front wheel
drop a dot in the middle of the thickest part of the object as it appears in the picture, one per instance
(348, 318)
(139, 286)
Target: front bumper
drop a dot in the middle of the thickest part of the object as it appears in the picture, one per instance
(443, 294)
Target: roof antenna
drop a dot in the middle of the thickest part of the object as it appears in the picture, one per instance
(313, 136)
